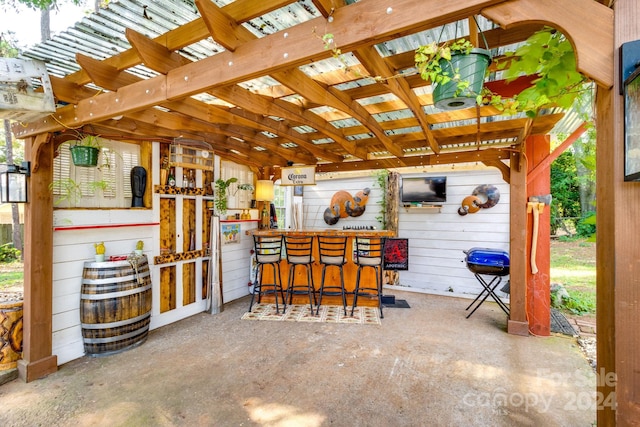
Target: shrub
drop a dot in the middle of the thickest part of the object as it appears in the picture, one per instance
(586, 227)
(8, 253)
(580, 302)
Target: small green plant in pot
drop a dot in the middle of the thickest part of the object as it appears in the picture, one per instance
(220, 194)
(457, 70)
(86, 150)
(139, 247)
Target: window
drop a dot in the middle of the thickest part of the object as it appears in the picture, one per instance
(280, 203)
(105, 186)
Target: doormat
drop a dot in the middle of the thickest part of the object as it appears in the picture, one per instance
(400, 303)
(301, 313)
(560, 324)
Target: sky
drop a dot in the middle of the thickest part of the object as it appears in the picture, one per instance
(26, 23)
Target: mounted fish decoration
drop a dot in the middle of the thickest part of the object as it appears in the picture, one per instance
(344, 204)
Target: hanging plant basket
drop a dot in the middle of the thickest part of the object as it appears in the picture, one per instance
(471, 68)
(84, 156)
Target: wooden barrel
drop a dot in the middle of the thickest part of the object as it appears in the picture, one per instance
(115, 305)
(10, 334)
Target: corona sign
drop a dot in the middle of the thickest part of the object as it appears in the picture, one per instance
(298, 175)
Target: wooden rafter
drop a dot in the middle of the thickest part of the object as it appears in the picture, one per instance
(399, 87)
(162, 60)
(284, 118)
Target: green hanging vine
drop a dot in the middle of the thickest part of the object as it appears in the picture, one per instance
(382, 177)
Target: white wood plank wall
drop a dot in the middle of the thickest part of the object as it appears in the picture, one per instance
(437, 238)
(71, 249)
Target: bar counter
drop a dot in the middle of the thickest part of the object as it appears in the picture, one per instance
(332, 277)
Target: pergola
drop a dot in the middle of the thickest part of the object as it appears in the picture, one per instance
(256, 81)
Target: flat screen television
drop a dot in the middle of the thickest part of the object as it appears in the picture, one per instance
(424, 189)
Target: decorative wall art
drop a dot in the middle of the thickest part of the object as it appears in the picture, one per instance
(396, 254)
(344, 204)
(483, 197)
(230, 233)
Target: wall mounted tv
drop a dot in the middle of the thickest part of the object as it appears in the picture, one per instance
(424, 189)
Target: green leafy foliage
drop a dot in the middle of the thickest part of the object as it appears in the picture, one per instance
(382, 177)
(8, 44)
(586, 226)
(575, 302)
(549, 55)
(220, 196)
(579, 302)
(66, 189)
(564, 189)
(40, 4)
(8, 253)
(432, 59)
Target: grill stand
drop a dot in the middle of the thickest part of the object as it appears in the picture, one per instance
(489, 289)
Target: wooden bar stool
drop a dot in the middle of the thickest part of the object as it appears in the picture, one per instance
(332, 252)
(369, 254)
(268, 250)
(299, 251)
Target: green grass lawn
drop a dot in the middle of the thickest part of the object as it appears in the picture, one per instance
(11, 274)
(573, 265)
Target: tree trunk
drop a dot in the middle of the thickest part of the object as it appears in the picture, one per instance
(16, 235)
(583, 149)
(45, 24)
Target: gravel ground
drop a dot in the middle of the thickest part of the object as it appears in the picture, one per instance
(588, 347)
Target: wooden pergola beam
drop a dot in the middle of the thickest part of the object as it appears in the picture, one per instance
(594, 60)
(490, 154)
(353, 26)
(399, 87)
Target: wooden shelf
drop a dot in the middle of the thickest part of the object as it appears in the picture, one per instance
(423, 209)
(180, 191)
(182, 256)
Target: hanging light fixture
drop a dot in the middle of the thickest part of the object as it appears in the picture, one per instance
(13, 183)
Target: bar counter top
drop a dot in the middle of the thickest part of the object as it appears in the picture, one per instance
(323, 232)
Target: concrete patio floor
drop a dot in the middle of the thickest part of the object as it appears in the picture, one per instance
(424, 366)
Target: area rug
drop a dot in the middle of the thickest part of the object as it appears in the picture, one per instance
(301, 313)
(560, 324)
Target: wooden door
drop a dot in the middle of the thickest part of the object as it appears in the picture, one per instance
(181, 268)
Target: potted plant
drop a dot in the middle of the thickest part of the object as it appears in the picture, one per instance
(70, 191)
(457, 71)
(547, 56)
(66, 189)
(220, 194)
(139, 247)
(86, 150)
(100, 249)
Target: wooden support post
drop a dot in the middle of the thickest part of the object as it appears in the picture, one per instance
(617, 249)
(538, 284)
(37, 359)
(612, 241)
(517, 323)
